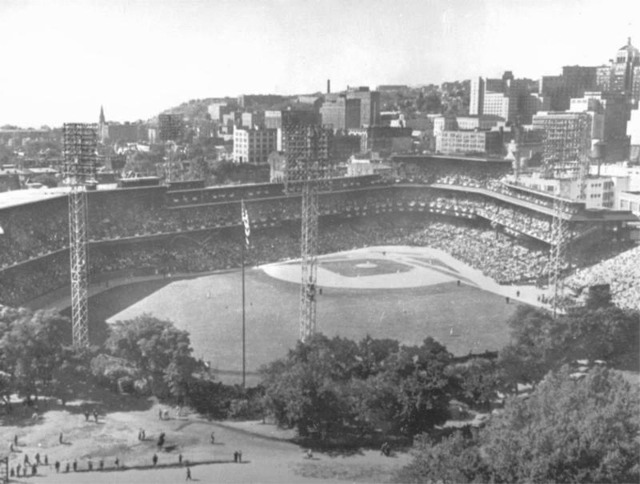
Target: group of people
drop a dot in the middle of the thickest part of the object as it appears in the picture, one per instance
(621, 272)
(511, 261)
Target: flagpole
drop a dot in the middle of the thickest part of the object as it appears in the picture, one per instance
(243, 313)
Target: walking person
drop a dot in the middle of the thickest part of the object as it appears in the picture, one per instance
(155, 459)
(57, 466)
(188, 474)
(61, 438)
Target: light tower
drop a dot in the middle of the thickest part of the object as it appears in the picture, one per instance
(307, 171)
(566, 149)
(80, 144)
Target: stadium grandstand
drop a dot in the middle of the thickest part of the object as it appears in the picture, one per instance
(462, 206)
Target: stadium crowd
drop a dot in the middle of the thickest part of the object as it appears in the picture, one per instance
(621, 272)
(496, 255)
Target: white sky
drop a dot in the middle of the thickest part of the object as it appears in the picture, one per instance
(62, 59)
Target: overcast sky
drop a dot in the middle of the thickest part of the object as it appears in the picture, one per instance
(62, 59)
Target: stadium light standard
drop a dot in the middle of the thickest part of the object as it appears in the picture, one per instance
(80, 145)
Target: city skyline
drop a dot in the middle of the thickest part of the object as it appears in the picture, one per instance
(138, 58)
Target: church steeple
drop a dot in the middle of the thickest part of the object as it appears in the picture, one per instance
(102, 120)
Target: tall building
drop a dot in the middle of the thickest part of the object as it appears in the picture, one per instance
(618, 76)
(253, 145)
(369, 105)
(476, 96)
(610, 113)
(567, 136)
(340, 112)
(508, 98)
(556, 91)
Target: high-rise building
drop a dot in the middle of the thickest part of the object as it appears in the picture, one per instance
(618, 76)
(506, 97)
(369, 105)
(340, 112)
(610, 112)
(556, 91)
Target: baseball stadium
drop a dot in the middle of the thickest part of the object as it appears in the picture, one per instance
(446, 248)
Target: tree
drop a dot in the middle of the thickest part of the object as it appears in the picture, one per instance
(476, 381)
(330, 385)
(308, 389)
(159, 350)
(568, 431)
(456, 459)
(423, 387)
(32, 346)
(541, 343)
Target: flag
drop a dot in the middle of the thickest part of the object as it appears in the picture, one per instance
(245, 222)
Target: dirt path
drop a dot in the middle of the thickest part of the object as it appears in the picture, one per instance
(266, 456)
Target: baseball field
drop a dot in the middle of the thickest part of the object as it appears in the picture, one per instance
(404, 293)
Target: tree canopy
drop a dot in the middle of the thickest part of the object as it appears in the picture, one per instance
(330, 385)
(568, 430)
(160, 351)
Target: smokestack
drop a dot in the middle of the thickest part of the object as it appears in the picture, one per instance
(328, 86)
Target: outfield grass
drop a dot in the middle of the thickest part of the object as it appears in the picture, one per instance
(463, 318)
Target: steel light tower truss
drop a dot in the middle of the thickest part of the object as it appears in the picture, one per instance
(80, 144)
(560, 238)
(569, 138)
(307, 172)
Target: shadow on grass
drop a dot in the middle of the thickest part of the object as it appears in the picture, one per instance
(346, 446)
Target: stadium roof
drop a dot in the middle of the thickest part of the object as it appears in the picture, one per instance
(20, 197)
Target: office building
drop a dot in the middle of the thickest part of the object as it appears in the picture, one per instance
(340, 113)
(253, 145)
(507, 98)
(618, 76)
(469, 142)
(369, 105)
